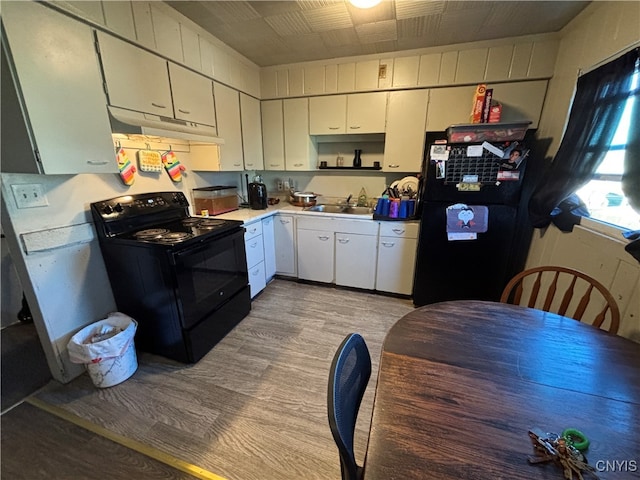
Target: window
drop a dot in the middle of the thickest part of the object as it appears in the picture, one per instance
(603, 195)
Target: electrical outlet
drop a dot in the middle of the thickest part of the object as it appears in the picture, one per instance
(29, 195)
(280, 187)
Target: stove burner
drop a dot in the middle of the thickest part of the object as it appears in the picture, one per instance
(173, 237)
(150, 233)
(191, 221)
(209, 223)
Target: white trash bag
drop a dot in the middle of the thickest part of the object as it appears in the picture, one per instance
(107, 349)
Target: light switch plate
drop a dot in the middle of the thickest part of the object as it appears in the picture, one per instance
(29, 195)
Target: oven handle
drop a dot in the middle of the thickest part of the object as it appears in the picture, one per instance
(205, 244)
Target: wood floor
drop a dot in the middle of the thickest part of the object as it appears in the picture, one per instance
(254, 408)
(39, 445)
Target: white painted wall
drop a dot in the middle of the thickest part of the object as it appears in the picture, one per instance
(600, 32)
(67, 286)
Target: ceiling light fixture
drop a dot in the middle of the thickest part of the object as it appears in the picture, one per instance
(364, 3)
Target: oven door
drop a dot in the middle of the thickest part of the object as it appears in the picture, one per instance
(208, 275)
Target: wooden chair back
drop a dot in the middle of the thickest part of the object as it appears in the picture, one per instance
(582, 292)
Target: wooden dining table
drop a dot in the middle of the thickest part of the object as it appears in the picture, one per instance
(461, 383)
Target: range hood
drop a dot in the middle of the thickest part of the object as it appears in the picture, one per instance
(138, 123)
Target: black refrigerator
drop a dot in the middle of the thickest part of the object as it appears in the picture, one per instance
(474, 231)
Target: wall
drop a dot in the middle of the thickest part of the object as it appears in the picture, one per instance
(10, 303)
(63, 276)
(599, 33)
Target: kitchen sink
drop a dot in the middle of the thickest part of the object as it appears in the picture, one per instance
(340, 209)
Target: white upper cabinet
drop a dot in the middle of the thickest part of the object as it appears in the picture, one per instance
(143, 24)
(366, 112)
(520, 101)
(166, 31)
(229, 127)
(273, 134)
(192, 96)
(118, 17)
(357, 113)
(56, 68)
(136, 79)
(404, 139)
(328, 115)
(300, 151)
(251, 132)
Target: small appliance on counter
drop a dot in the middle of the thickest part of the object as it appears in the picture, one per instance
(214, 200)
(257, 192)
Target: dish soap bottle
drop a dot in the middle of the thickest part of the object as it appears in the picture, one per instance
(362, 198)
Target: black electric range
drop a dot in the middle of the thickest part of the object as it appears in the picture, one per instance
(184, 279)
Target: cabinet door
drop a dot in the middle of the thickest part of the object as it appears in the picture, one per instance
(404, 139)
(285, 245)
(229, 127)
(257, 280)
(299, 149)
(136, 79)
(356, 260)
(251, 132)
(315, 255)
(269, 242)
(520, 101)
(254, 248)
(366, 112)
(272, 134)
(57, 71)
(396, 264)
(192, 96)
(327, 115)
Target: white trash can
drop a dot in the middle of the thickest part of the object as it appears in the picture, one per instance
(107, 349)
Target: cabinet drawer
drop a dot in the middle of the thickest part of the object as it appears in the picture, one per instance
(257, 281)
(255, 251)
(252, 229)
(315, 223)
(399, 229)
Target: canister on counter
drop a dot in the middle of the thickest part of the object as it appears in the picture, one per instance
(402, 211)
(411, 207)
(394, 208)
(385, 206)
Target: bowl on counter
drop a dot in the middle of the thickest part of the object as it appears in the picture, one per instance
(303, 199)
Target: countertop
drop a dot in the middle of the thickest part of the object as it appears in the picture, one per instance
(248, 215)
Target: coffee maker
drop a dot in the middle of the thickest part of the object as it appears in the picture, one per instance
(257, 192)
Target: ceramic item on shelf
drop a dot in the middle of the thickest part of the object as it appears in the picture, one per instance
(357, 161)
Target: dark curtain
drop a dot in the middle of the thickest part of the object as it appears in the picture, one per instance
(597, 107)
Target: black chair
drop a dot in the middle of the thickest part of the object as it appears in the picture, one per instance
(350, 372)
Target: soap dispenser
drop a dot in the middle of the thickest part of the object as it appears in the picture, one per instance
(362, 198)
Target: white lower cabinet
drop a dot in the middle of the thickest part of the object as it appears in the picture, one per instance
(337, 250)
(269, 243)
(285, 245)
(254, 247)
(315, 255)
(257, 281)
(397, 245)
(356, 260)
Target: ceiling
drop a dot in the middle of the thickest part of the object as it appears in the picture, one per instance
(281, 32)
